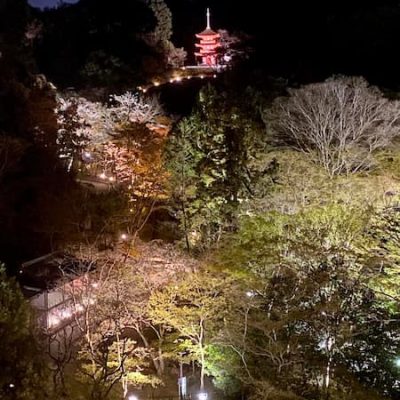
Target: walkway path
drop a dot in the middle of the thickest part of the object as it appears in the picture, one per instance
(180, 74)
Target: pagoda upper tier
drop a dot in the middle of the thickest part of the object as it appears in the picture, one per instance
(210, 42)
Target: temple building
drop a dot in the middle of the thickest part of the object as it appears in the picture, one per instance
(210, 42)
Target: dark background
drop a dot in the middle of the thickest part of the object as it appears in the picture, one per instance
(302, 41)
(305, 41)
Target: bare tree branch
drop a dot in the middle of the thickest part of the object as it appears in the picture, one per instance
(340, 123)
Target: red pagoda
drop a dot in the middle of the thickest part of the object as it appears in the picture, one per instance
(210, 41)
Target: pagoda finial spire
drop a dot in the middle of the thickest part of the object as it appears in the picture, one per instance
(208, 19)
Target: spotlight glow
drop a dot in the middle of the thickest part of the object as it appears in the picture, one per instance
(202, 396)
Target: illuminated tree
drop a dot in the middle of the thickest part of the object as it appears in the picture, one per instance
(81, 124)
(385, 230)
(121, 144)
(105, 300)
(341, 123)
(207, 157)
(160, 38)
(133, 108)
(194, 308)
(111, 297)
(163, 30)
(138, 171)
(176, 56)
(310, 307)
(70, 142)
(233, 48)
(85, 126)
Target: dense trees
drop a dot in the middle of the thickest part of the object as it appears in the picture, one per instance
(24, 375)
(290, 202)
(194, 308)
(109, 356)
(103, 47)
(120, 345)
(300, 301)
(32, 177)
(313, 302)
(208, 160)
(311, 256)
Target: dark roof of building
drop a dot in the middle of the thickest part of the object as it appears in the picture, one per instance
(46, 272)
(208, 32)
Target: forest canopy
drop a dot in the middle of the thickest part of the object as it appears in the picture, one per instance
(235, 225)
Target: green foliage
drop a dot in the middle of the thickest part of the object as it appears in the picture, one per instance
(102, 362)
(23, 373)
(186, 306)
(272, 239)
(313, 307)
(385, 229)
(113, 350)
(340, 123)
(163, 31)
(207, 157)
(195, 309)
(224, 366)
(288, 181)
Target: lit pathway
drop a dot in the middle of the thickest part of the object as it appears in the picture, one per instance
(181, 74)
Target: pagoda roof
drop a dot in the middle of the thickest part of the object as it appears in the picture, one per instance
(208, 32)
(205, 45)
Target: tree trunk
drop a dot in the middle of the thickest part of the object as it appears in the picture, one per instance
(202, 355)
(158, 361)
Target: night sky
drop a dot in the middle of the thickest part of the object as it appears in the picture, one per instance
(301, 41)
(49, 3)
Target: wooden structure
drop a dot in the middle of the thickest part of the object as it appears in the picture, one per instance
(210, 42)
(48, 282)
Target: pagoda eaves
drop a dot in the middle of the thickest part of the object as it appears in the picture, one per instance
(208, 46)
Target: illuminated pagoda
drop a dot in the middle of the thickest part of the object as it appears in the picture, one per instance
(210, 41)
